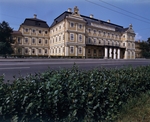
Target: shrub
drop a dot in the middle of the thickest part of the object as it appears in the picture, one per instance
(72, 95)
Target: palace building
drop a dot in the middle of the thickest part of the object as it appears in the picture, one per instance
(74, 35)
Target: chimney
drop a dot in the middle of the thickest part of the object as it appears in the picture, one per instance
(69, 10)
(91, 15)
(108, 21)
(35, 16)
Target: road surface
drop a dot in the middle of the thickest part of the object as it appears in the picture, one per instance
(24, 67)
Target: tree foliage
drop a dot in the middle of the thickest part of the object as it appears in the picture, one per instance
(5, 39)
(145, 47)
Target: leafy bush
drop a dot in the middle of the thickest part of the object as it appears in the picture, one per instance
(71, 95)
(137, 109)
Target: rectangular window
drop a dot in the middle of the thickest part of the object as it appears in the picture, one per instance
(89, 51)
(26, 40)
(45, 32)
(71, 49)
(94, 50)
(33, 31)
(40, 41)
(45, 50)
(45, 41)
(26, 29)
(33, 50)
(80, 26)
(94, 40)
(99, 41)
(104, 33)
(33, 41)
(72, 37)
(19, 50)
(89, 30)
(39, 50)
(80, 37)
(89, 40)
(72, 24)
(40, 31)
(26, 50)
(94, 31)
(19, 40)
(80, 50)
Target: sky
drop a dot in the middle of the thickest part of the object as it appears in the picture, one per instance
(120, 12)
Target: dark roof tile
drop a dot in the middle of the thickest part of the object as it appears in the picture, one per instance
(87, 19)
(35, 22)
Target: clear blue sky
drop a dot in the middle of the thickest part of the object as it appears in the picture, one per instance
(15, 11)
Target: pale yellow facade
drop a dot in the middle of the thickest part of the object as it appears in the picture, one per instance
(77, 36)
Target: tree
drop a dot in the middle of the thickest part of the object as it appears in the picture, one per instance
(5, 39)
(145, 47)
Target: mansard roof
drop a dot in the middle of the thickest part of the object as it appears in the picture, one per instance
(88, 20)
(35, 22)
(60, 18)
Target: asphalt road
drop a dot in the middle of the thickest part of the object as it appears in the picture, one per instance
(24, 67)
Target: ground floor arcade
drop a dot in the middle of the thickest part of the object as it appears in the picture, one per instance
(107, 52)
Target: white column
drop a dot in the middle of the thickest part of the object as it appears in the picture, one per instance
(114, 53)
(36, 51)
(66, 51)
(110, 52)
(106, 52)
(76, 54)
(125, 55)
(118, 54)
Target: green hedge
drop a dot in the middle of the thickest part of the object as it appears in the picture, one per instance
(71, 95)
